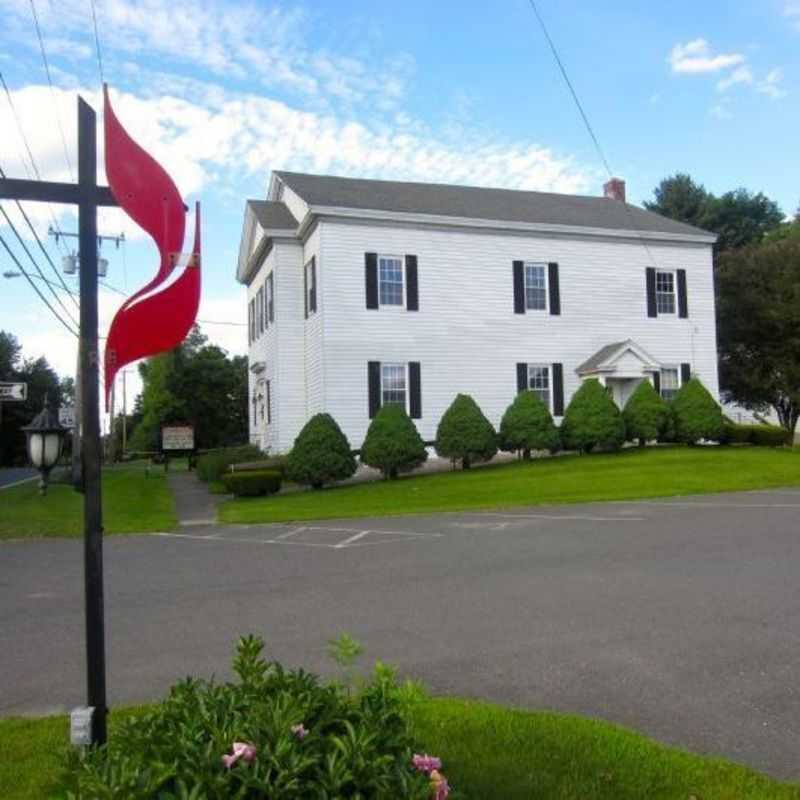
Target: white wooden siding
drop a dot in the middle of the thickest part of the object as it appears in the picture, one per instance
(313, 333)
(466, 335)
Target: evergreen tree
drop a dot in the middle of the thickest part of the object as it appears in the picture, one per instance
(592, 419)
(528, 425)
(393, 443)
(697, 415)
(464, 434)
(321, 454)
(646, 414)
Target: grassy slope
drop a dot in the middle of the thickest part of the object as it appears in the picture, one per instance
(488, 752)
(570, 479)
(132, 503)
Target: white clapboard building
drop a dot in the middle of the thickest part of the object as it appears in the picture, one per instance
(364, 292)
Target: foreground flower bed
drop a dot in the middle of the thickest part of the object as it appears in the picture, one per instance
(274, 734)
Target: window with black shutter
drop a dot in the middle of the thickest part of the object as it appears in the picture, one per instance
(412, 286)
(414, 390)
(373, 387)
(650, 281)
(371, 279)
(558, 389)
(683, 302)
(554, 289)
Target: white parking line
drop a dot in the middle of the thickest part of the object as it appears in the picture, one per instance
(564, 517)
(715, 505)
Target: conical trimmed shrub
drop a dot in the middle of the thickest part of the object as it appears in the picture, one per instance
(464, 434)
(393, 443)
(646, 414)
(528, 425)
(592, 419)
(321, 454)
(697, 415)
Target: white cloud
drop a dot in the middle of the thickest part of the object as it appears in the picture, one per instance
(695, 57)
(771, 85)
(741, 75)
(792, 11)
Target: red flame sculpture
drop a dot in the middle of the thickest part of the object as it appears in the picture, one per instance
(162, 312)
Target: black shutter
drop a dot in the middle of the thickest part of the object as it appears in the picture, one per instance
(269, 403)
(558, 390)
(374, 384)
(657, 382)
(312, 300)
(652, 309)
(415, 390)
(519, 288)
(412, 287)
(305, 291)
(271, 297)
(555, 291)
(371, 278)
(686, 373)
(522, 377)
(683, 305)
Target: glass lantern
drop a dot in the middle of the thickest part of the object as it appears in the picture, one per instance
(45, 442)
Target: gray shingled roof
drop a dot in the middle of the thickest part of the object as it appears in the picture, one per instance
(503, 205)
(272, 215)
(600, 356)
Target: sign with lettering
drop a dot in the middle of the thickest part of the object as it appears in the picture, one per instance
(177, 437)
(66, 416)
(13, 391)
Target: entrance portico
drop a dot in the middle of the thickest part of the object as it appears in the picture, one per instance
(620, 366)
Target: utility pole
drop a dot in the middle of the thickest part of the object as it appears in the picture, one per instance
(87, 195)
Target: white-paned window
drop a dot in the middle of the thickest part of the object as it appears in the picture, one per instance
(393, 384)
(536, 287)
(390, 280)
(670, 382)
(539, 383)
(260, 310)
(665, 292)
(311, 287)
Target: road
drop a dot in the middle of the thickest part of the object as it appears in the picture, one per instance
(679, 618)
(11, 475)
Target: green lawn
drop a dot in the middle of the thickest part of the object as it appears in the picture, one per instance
(133, 502)
(488, 752)
(628, 475)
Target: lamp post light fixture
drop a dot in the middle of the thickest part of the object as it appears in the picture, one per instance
(45, 442)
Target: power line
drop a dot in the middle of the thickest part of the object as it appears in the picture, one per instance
(52, 88)
(35, 287)
(97, 44)
(570, 86)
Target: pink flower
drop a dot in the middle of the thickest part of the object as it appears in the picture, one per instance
(441, 788)
(300, 731)
(426, 763)
(241, 750)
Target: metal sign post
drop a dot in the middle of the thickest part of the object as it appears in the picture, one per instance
(87, 195)
(13, 393)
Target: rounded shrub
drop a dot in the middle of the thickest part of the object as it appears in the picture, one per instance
(213, 465)
(646, 414)
(393, 443)
(252, 483)
(464, 434)
(321, 454)
(528, 425)
(592, 419)
(697, 414)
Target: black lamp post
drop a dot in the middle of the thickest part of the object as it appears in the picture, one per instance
(45, 442)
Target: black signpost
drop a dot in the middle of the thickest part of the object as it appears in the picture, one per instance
(87, 195)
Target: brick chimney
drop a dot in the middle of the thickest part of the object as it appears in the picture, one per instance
(614, 189)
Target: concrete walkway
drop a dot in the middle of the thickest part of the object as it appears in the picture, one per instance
(194, 504)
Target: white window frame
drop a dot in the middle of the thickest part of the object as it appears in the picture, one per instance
(402, 303)
(546, 272)
(404, 367)
(672, 368)
(549, 369)
(674, 292)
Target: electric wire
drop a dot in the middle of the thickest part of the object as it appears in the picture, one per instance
(52, 88)
(35, 287)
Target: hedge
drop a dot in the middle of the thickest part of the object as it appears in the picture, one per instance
(761, 435)
(212, 465)
(252, 483)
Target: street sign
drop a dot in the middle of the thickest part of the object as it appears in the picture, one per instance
(13, 391)
(66, 416)
(177, 437)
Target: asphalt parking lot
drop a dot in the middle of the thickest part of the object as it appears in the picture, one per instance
(680, 617)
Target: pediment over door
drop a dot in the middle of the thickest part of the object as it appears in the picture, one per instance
(619, 360)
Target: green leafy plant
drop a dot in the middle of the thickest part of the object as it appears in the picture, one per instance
(762, 435)
(528, 425)
(252, 483)
(321, 454)
(592, 420)
(697, 414)
(646, 414)
(392, 443)
(213, 465)
(464, 434)
(273, 733)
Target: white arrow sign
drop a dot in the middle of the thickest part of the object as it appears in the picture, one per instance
(13, 391)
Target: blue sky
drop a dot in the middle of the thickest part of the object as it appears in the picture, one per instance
(222, 92)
